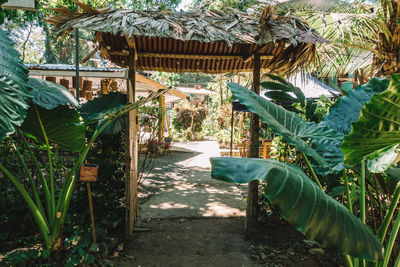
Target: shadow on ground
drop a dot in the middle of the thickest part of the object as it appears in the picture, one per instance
(195, 221)
(180, 186)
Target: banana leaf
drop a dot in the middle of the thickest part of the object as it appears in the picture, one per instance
(290, 126)
(49, 95)
(14, 90)
(378, 128)
(62, 124)
(300, 201)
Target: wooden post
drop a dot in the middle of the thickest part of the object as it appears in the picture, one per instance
(131, 187)
(252, 191)
(91, 211)
(162, 108)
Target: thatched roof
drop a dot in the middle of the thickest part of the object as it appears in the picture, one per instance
(199, 42)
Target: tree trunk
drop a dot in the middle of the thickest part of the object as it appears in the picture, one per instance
(49, 55)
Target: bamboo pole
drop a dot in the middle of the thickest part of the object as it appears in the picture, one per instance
(252, 192)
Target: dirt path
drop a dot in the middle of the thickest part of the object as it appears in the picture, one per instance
(196, 221)
(186, 186)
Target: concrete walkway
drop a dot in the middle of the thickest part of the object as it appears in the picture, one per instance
(183, 187)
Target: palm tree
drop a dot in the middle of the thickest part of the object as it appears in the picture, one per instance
(362, 35)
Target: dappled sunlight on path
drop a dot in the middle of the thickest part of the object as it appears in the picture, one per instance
(185, 188)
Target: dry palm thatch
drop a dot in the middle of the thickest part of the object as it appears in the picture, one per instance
(387, 61)
(211, 42)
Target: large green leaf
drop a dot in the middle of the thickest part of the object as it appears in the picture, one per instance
(378, 128)
(300, 201)
(61, 124)
(99, 107)
(50, 95)
(95, 110)
(382, 162)
(289, 125)
(347, 108)
(394, 173)
(14, 94)
(279, 88)
(112, 107)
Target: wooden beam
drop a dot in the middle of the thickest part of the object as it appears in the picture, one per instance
(258, 51)
(150, 82)
(131, 186)
(157, 86)
(185, 56)
(252, 190)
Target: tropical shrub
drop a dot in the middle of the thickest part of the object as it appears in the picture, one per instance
(46, 112)
(369, 139)
(189, 119)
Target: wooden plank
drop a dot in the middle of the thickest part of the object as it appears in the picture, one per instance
(132, 150)
(252, 191)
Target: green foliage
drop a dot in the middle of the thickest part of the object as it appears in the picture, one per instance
(373, 135)
(377, 130)
(278, 90)
(189, 118)
(347, 108)
(166, 78)
(63, 126)
(60, 125)
(50, 95)
(223, 5)
(96, 110)
(289, 125)
(303, 204)
(14, 94)
(30, 257)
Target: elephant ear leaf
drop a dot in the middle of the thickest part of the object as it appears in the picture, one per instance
(378, 128)
(50, 95)
(14, 90)
(306, 207)
(95, 110)
(345, 111)
(347, 108)
(61, 125)
(49, 116)
(112, 107)
(289, 125)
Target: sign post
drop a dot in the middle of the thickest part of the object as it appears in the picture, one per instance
(88, 173)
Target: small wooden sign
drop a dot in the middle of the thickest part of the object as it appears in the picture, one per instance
(21, 4)
(89, 172)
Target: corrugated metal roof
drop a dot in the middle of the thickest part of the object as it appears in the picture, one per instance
(191, 90)
(67, 67)
(310, 86)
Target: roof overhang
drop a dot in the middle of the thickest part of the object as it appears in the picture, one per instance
(209, 42)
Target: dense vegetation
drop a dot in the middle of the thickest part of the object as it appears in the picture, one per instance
(334, 171)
